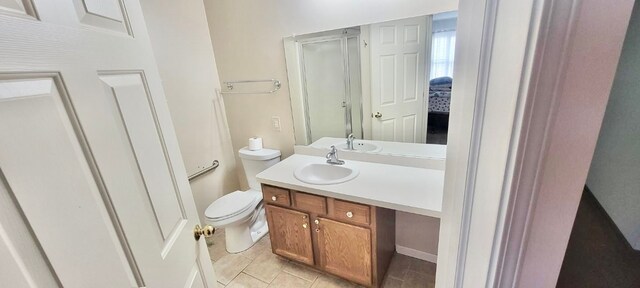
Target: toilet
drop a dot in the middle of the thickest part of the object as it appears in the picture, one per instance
(241, 213)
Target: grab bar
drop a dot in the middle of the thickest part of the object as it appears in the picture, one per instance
(213, 166)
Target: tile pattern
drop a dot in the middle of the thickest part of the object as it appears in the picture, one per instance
(257, 267)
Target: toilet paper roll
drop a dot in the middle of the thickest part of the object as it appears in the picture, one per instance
(255, 143)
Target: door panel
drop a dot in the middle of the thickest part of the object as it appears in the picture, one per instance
(142, 130)
(388, 130)
(411, 77)
(27, 266)
(345, 250)
(289, 236)
(195, 279)
(48, 174)
(409, 126)
(105, 14)
(88, 151)
(109, 9)
(398, 65)
(17, 7)
(388, 80)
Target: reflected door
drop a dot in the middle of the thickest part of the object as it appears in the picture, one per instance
(93, 191)
(398, 79)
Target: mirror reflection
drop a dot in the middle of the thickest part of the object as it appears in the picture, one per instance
(387, 81)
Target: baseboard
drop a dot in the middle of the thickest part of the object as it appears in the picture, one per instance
(417, 254)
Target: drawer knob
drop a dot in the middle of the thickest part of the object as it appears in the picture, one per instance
(274, 198)
(317, 222)
(350, 214)
(305, 225)
(317, 230)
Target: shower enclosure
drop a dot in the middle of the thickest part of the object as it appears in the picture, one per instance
(329, 69)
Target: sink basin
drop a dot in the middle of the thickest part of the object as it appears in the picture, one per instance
(324, 174)
(360, 147)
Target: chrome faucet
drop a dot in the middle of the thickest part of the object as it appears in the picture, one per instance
(332, 157)
(350, 139)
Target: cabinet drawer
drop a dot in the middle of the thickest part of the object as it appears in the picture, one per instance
(352, 212)
(276, 195)
(311, 203)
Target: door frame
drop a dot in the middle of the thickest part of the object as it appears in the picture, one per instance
(466, 242)
(427, 75)
(501, 143)
(551, 164)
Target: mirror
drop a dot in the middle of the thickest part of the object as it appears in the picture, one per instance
(385, 82)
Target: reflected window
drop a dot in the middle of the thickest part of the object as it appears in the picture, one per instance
(443, 42)
(442, 52)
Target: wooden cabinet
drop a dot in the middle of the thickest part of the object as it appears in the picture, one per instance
(345, 250)
(350, 240)
(290, 234)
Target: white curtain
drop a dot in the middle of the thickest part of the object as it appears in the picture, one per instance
(442, 52)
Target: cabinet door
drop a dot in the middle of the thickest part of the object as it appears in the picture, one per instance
(290, 234)
(345, 250)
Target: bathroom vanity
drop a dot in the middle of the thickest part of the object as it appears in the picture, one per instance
(351, 240)
(347, 228)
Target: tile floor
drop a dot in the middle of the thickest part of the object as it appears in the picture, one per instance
(258, 267)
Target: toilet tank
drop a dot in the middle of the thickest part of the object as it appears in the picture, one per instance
(257, 161)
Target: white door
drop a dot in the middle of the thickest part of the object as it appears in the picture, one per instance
(398, 77)
(93, 192)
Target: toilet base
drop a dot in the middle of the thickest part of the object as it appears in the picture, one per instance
(241, 237)
(244, 229)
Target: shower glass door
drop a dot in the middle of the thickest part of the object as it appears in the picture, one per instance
(331, 98)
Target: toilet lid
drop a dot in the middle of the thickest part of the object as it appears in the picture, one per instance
(230, 205)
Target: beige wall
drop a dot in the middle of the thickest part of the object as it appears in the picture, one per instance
(180, 39)
(417, 232)
(247, 39)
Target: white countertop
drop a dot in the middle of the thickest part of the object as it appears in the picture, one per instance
(408, 189)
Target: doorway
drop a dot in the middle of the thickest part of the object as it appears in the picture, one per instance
(604, 246)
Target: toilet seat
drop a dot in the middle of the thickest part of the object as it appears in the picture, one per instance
(232, 204)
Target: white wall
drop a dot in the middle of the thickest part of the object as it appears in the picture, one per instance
(182, 47)
(614, 176)
(247, 39)
(419, 233)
